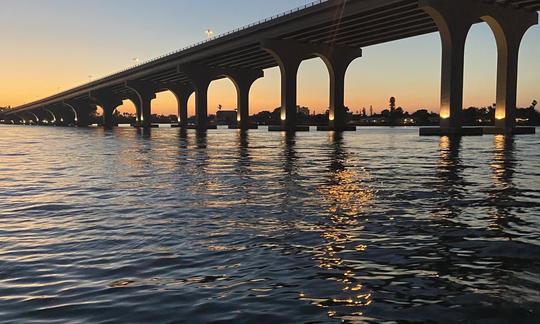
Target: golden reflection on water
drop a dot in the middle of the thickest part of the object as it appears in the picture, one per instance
(347, 194)
(503, 191)
(450, 159)
(503, 162)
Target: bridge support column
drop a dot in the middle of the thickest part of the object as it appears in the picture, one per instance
(182, 92)
(454, 23)
(289, 54)
(289, 60)
(109, 103)
(454, 20)
(84, 118)
(509, 29)
(243, 80)
(337, 61)
(200, 77)
(145, 92)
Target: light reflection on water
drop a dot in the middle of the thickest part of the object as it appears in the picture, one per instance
(165, 225)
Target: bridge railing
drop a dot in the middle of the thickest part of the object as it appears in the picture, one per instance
(259, 22)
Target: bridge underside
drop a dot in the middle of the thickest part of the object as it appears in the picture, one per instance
(334, 30)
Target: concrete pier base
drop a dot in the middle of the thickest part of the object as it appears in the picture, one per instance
(351, 128)
(298, 128)
(251, 126)
(515, 131)
(438, 131)
(145, 126)
(198, 128)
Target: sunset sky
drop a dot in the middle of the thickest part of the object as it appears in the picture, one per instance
(53, 45)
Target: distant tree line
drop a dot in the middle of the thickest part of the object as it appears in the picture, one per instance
(391, 116)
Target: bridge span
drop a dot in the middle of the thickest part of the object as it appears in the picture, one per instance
(334, 30)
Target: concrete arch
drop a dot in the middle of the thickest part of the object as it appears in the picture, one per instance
(508, 37)
(35, 116)
(166, 104)
(529, 52)
(315, 96)
(265, 91)
(52, 115)
(127, 113)
(75, 114)
(479, 73)
(220, 93)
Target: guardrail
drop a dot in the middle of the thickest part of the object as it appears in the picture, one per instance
(262, 21)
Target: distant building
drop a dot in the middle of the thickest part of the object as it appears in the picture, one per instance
(304, 111)
(226, 117)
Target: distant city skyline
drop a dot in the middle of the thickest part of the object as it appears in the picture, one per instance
(66, 43)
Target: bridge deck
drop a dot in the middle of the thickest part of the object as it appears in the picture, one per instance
(354, 23)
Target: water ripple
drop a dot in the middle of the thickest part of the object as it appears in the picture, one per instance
(375, 226)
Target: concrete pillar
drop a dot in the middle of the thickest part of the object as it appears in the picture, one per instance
(289, 54)
(109, 102)
(288, 59)
(509, 28)
(243, 80)
(182, 92)
(338, 60)
(108, 119)
(145, 92)
(454, 20)
(200, 77)
(454, 23)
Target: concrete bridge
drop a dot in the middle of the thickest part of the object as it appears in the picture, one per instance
(334, 30)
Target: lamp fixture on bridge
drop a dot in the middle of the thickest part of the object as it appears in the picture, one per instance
(444, 112)
(209, 33)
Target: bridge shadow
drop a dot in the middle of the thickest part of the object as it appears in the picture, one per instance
(144, 132)
(244, 156)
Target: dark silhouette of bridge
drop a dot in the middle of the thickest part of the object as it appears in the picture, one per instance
(334, 30)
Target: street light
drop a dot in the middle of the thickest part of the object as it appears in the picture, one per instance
(209, 33)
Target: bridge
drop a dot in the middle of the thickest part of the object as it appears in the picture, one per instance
(334, 30)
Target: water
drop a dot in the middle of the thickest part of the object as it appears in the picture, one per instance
(378, 225)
